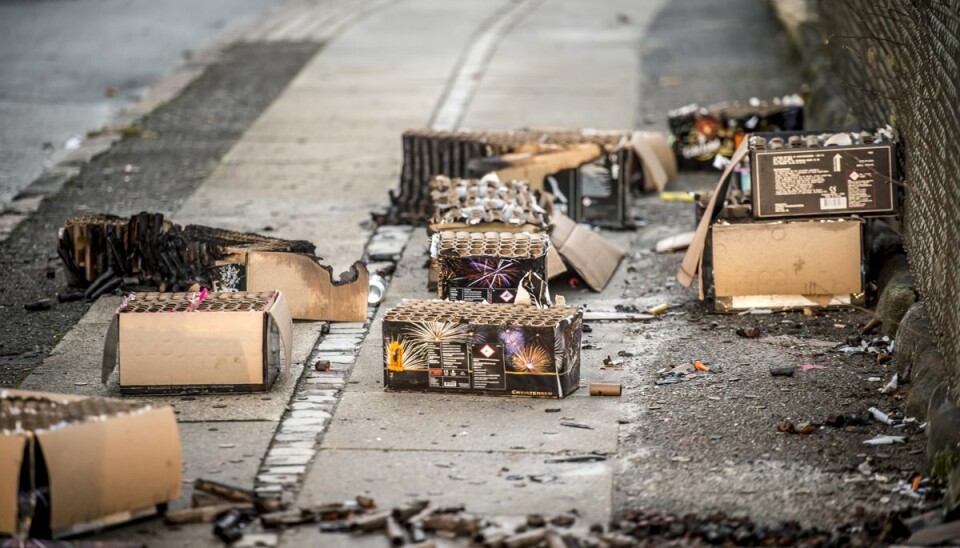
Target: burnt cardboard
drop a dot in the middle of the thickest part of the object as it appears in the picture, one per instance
(806, 181)
(590, 255)
(474, 348)
(785, 264)
(491, 267)
(165, 343)
(309, 287)
(69, 464)
(702, 135)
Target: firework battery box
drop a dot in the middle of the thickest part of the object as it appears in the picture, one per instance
(71, 464)
(491, 266)
(786, 264)
(815, 174)
(175, 343)
(704, 138)
(476, 348)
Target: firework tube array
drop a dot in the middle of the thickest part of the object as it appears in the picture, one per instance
(491, 266)
(461, 347)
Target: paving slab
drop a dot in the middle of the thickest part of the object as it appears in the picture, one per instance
(411, 421)
(486, 482)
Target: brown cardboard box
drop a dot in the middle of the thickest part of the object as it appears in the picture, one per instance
(594, 258)
(70, 463)
(475, 348)
(787, 264)
(309, 287)
(229, 342)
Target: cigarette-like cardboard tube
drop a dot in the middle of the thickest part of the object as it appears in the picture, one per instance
(605, 389)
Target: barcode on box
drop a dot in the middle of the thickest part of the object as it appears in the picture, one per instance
(827, 202)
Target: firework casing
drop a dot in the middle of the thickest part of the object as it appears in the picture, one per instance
(784, 264)
(793, 174)
(605, 389)
(69, 464)
(701, 135)
(491, 266)
(475, 348)
(166, 343)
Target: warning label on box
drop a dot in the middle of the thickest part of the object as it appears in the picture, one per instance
(485, 295)
(831, 180)
(457, 365)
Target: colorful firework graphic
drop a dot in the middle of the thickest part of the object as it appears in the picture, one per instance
(559, 351)
(513, 339)
(531, 359)
(491, 273)
(403, 355)
(438, 332)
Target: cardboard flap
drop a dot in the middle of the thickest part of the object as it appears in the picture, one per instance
(280, 313)
(659, 163)
(691, 260)
(592, 257)
(534, 168)
(12, 449)
(110, 346)
(104, 467)
(555, 266)
(309, 287)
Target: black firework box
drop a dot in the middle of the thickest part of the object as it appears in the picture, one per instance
(704, 138)
(491, 267)
(817, 174)
(477, 348)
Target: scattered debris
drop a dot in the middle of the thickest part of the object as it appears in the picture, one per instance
(880, 416)
(885, 440)
(749, 332)
(605, 389)
(677, 242)
(587, 457)
(42, 304)
(891, 386)
(782, 370)
(810, 366)
(856, 345)
(788, 427)
(571, 424)
(610, 363)
(659, 310)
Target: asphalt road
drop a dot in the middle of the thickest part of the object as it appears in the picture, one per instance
(67, 65)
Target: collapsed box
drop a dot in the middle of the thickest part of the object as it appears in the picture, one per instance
(702, 135)
(784, 264)
(796, 174)
(309, 287)
(165, 343)
(491, 266)
(69, 464)
(476, 348)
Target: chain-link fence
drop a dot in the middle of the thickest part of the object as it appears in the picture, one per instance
(898, 62)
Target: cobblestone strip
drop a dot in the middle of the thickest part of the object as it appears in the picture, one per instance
(313, 403)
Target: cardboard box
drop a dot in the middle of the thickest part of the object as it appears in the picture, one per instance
(475, 348)
(799, 174)
(491, 266)
(308, 286)
(69, 464)
(785, 264)
(164, 343)
(705, 138)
